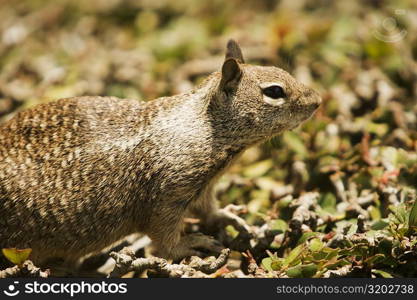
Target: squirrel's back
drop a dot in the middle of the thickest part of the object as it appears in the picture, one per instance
(57, 173)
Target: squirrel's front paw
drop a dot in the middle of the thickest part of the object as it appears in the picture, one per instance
(196, 244)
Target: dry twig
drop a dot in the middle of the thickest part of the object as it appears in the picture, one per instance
(27, 269)
(126, 262)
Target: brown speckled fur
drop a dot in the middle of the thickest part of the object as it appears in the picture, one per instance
(80, 173)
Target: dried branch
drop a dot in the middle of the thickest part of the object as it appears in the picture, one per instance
(252, 267)
(211, 264)
(27, 269)
(126, 262)
(135, 246)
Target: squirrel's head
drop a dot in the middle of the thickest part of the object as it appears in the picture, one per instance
(258, 101)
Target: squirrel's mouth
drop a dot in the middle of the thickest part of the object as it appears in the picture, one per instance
(294, 126)
(302, 118)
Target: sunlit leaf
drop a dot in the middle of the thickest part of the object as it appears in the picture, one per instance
(258, 169)
(381, 273)
(316, 245)
(266, 264)
(412, 219)
(16, 256)
(293, 255)
(306, 236)
(294, 142)
(279, 225)
(295, 272)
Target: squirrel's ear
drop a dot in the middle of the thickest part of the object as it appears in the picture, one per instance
(233, 51)
(231, 73)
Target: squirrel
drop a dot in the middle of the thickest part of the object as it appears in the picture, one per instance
(78, 174)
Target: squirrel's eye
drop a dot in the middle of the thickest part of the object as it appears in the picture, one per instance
(274, 92)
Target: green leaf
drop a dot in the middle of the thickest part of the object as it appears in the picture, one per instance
(379, 129)
(383, 274)
(316, 245)
(309, 270)
(331, 253)
(334, 263)
(258, 169)
(277, 264)
(399, 214)
(385, 246)
(412, 219)
(293, 255)
(267, 183)
(319, 255)
(328, 202)
(375, 213)
(295, 272)
(16, 256)
(232, 231)
(377, 258)
(378, 225)
(302, 271)
(267, 264)
(279, 225)
(294, 142)
(306, 236)
(272, 263)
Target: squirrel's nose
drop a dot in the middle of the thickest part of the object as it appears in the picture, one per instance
(313, 98)
(317, 100)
